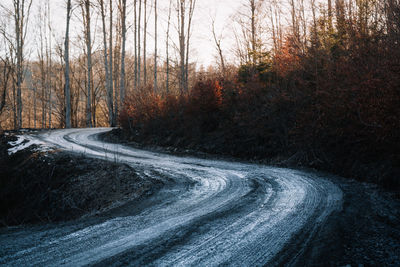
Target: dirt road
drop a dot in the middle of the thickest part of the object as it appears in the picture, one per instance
(211, 213)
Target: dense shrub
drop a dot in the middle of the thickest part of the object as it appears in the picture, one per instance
(334, 107)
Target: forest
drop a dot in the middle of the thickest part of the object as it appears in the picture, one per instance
(296, 83)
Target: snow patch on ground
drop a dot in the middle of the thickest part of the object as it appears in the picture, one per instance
(20, 139)
(24, 142)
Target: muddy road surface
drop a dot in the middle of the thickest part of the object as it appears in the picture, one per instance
(208, 213)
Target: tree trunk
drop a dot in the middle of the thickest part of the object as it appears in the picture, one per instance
(14, 107)
(19, 19)
(89, 66)
(253, 30)
(93, 98)
(138, 32)
(217, 42)
(275, 47)
(294, 21)
(110, 69)
(135, 30)
(6, 73)
(50, 106)
(107, 74)
(167, 48)
(155, 46)
(191, 10)
(67, 90)
(330, 16)
(49, 65)
(184, 41)
(41, 55)
(182, 46)
(34, 107)
(116, 68)
(43, 85)
(18, 34)
(144, 43)
(122, 80)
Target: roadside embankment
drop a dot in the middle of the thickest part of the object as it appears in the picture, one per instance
(38, 186)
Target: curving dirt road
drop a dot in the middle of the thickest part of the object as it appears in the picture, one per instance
(211, 213)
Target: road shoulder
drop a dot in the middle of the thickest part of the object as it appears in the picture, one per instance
(366, 231)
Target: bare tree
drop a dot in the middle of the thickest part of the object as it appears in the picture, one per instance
(295, 25)
(217, 42)
(184, 12)
(248, 38)
(106, 66)
(314, 31)
(330, 16)
(59, 111)
(144, 43)
(122, 77)
(135, 30)
(6, 73)
(181, 33)
(41, 53)
(253, 29)
(67, 90)
(155, 46)
(138, 44)
(20, 14)
(49, 63)
(192, 5)
(110, 67)
(21, 22)
(8, 59)
(89, 63)
(42, 79)
(34, 106)
(273, 27)
(167, 47)
(116, 65)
